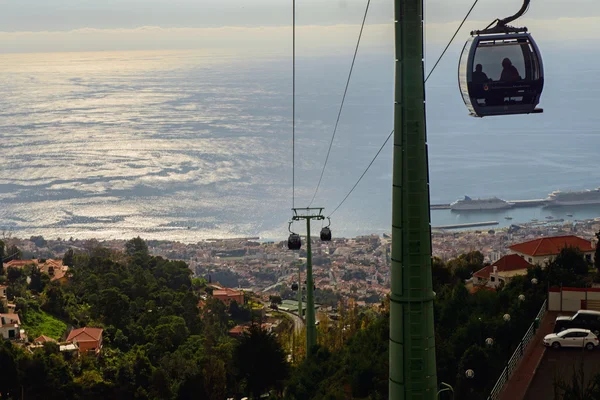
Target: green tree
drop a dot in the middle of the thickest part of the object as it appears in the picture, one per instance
(441, 274)
(597, 252)
(8, 366)
(2, 255)
(16, 276)
(260, 361)
(39, 241)
(275, 299)
(568, 267)
(114, 307)
(460, 268)
(69, 258)
(474, 358)
(137, 246)
(474, 259)
(13, 253)
(239, 314)
(199, 283)
(36, 281)
(53, 299)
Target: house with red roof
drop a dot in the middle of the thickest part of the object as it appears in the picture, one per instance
(89, 340)
(43, 339)
(502, 271)
(227, 295)
(238, 331)
(10, 326)
(543, 250)
(54, 268)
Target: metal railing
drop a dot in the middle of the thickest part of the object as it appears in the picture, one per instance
(513, 362)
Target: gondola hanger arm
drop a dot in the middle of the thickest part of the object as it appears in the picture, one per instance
(507, 20)
(502, 24)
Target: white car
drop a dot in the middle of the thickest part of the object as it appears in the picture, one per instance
(574, 337)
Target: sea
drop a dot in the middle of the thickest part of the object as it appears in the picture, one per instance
(193, 145)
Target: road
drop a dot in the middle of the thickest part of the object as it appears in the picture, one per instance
(298, 322)
(282, 281)
(560, 363)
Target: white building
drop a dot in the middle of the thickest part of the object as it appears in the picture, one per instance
(502, 271)
(10, 326)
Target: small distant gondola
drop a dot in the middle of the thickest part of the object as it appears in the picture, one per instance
(501, 71)
(295, 287)
(294, 242)
(326, 233)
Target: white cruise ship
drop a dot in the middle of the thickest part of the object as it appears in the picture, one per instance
(577, 198)
(492, 203)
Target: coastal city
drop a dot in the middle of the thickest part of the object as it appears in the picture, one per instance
(357, 268)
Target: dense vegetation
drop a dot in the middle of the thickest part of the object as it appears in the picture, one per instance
(464, 321)
(158, 344)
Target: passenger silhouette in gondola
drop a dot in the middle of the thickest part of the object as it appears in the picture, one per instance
(479, 79)
(509, 72)
(479, 76)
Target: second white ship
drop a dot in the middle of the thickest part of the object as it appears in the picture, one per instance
(469, 204)
(576, 198)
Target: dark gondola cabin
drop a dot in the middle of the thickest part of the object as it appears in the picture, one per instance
(294, 242)
(326, 234)
(501, 74)
(295, 287)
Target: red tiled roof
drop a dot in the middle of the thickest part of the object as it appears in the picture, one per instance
(20, 263)
(85, 335)
(551, 245)
(511, 262)
(6, 319)
(226, 292)
(238, 330)
(58, 269)
(43, 339)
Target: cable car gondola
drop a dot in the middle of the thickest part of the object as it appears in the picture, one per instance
(326, 233)
(500, 70)
(295, 287)
(294, 242)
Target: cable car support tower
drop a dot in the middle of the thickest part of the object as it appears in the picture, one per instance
(412, 341)
(308, 214)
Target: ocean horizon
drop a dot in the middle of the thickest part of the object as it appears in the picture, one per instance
(190, 145)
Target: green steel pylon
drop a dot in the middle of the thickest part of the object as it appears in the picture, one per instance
(412, 340)
(311, 328)
(300, 313)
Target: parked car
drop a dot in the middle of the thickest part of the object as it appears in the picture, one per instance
(584, 319)
(573, 337)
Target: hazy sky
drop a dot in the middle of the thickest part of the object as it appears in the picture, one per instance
(58, 25)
